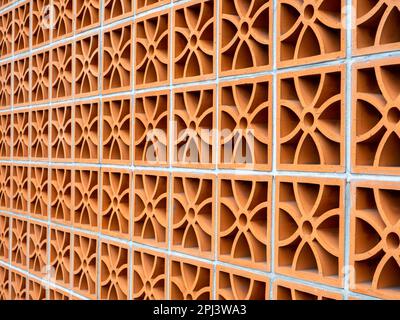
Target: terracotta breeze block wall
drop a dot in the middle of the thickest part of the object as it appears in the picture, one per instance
(199, 149)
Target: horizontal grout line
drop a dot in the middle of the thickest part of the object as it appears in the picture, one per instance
(240, 172)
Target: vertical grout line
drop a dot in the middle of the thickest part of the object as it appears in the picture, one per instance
(274, 107)
(170, 150)
(348, 10)
(215, 157)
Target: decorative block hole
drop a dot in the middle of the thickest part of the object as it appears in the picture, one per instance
(150, 217)
(193, 199)
(309, 229)
(311, 120)
(245, 124)
(246, 36)
(151, 129)
(241, 285)
(116, 202)
(244, 220)
(149, 275)
(114, 274)
(152, 50)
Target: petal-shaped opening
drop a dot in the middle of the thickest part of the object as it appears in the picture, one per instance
(390, 156)
(367, 237)
(390, 32)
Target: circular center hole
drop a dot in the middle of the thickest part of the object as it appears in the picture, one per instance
(148, 286)
(60, 194)
(38, 190)
(61, 132)
(113, 275)
(150, 126)
(86, 197)
(394, 115)
(189, 297)
(86, 64)
(115, 130)
(392, 240)
(37, 248)
(84, 264)
(149, 207)
(242, 220)
(307, 228)
(86, 131)
(309, 119)
(192, 125)
(191, 213)
(115, 202)
(309, 11)
(151, 50)
(116, 58)
(60, 255)
(243, 123)
(193, 40)
(244, 28)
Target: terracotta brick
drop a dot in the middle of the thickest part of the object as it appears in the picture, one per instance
(116, 202)
(144, 5)
(284, 290)
(152, 50)
(87, 13)
(5, 84)
(61, 201)
(40, 128)
(5, 186)
(117, 130)
(5, 135)
(36, 290)
(39, 191)
(63, 18)
(4, 283)
(117, 9)
(20, 188)
(190, 280)
(60, 256)
(309, 231)
(193, 199)
(375, 242)
(19, 243)
(40, 22)
(117, 58)
(234, 284)
(246, 36)
(194, 119)
(40, 83)
(5, 232)
(61, 133)
(62, 70)
(21, 82)
(21, 134)
(375, 26)
(376, 117)
(312, 120)
(38, 248)
(151, 129)
(85, 265)
(57, 294)
(21, 26)
(87, 127)
(244, 217)
(194, 41)
(86, 198)
(114, 274)
(6, 33)
(149, 275)
(19, 286)
(87, 58)
(151, 200)
(245, 124)
(310, 31)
